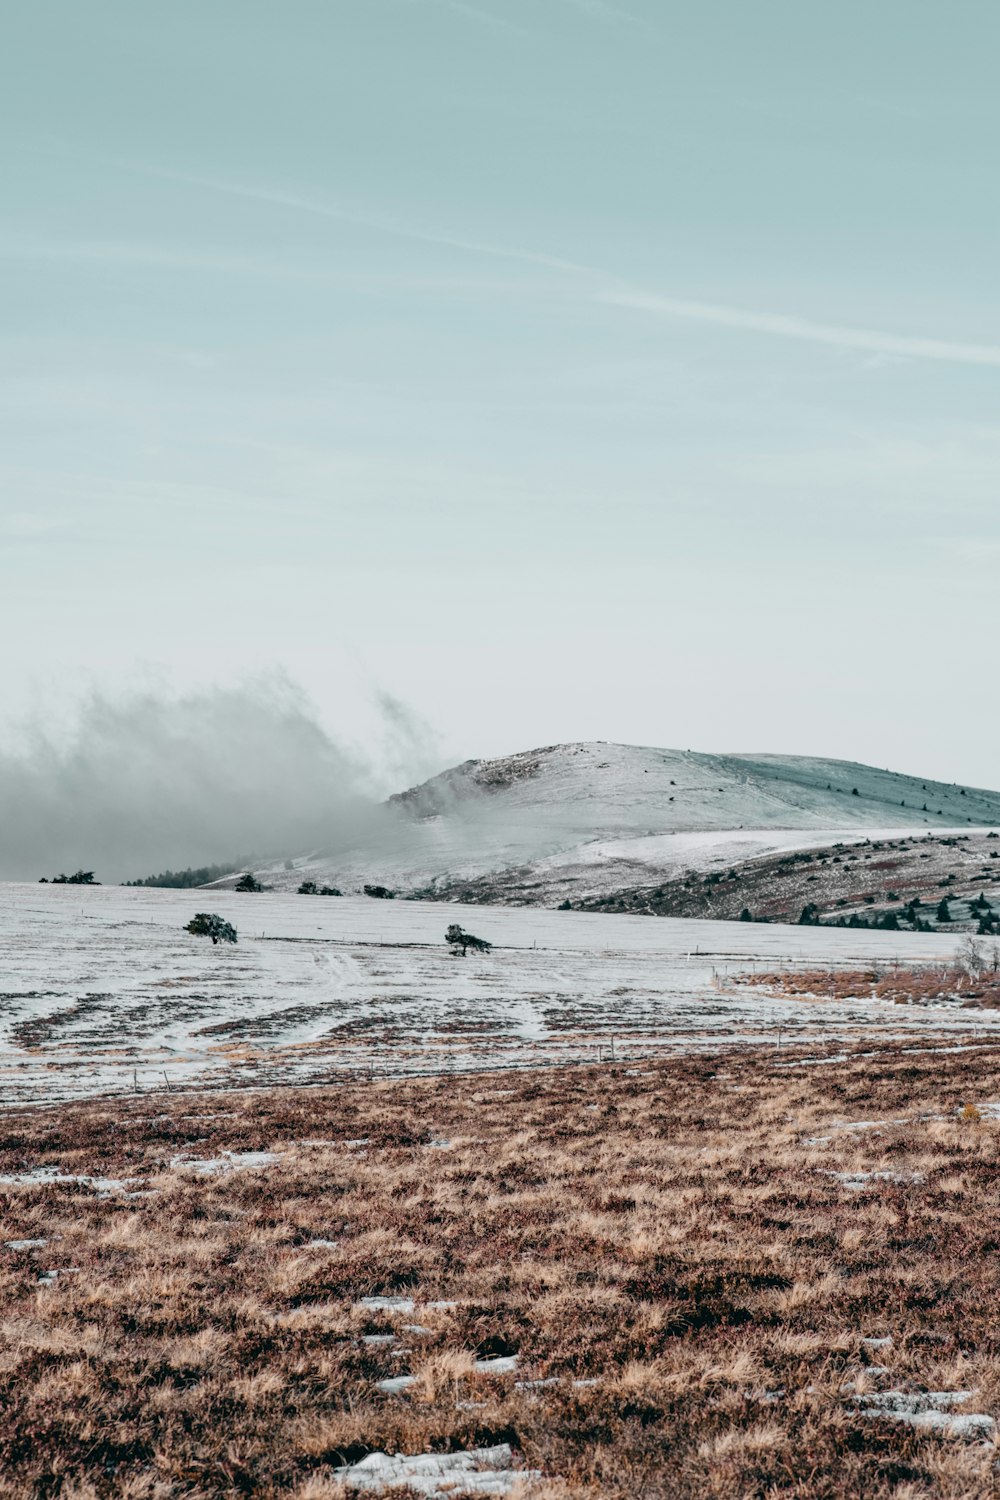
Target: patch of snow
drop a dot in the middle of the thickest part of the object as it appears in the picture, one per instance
(25, 1244)
(918, 1400)
(226, 1161)
(813, 1062)
(485, 1471)
(395, 1384)
(377, 1340)
(320, 1245)
(927, 1410)
(878, 1343)
(44, 1176)
(387, 1304)
(855, 1181)
(48, 1277)
(501, 1366)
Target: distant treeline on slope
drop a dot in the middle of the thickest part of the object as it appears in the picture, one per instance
(184, 879)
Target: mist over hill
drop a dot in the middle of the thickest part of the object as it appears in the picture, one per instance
(577, 821)
(142, 780)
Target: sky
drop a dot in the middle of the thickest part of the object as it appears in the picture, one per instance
(555, 369)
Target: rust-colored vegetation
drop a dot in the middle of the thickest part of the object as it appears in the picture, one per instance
(976, 988)
(685, 1260)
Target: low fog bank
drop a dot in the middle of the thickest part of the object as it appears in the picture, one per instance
(145, 782)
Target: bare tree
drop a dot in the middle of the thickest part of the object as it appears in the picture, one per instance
(972, 957)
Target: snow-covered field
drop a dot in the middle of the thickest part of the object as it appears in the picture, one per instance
(103, 990)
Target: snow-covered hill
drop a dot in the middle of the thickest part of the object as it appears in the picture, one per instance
(603, 790)
(590, 814)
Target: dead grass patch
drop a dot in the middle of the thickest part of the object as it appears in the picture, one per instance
(685, 1282)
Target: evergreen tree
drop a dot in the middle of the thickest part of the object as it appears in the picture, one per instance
(210, 924)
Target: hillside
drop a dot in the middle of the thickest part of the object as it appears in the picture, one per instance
(588, 822)
(602, 790)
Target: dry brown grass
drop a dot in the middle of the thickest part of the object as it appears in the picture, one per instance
(672, 1238)
(920, 984)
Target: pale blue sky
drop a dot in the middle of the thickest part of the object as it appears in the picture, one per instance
(567, 369)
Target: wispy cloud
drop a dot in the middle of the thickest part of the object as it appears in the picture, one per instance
(598, 10)
(616, 291)
(868, 340)
(135, 254)
(199, 260)
(601, 10)
(305, 203)
(484, 17)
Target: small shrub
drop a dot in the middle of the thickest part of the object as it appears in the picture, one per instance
(308, 888)
(380, 892)
(460, 941)
(248, 882)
